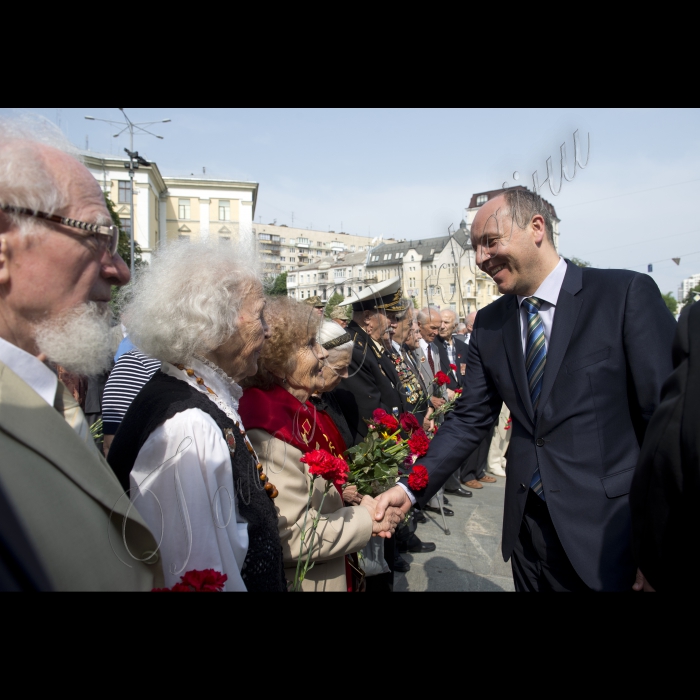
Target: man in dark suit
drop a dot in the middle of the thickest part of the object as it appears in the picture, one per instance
(666, 485)
(579, 357)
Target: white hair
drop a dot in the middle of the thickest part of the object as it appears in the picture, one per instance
(81, 339)
(330, 330)
(426, 313)
(187, 300)
(25, 180)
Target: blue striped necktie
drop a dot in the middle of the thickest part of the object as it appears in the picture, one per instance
(535, 361)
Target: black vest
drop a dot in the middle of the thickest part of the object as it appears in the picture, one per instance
(162, 398)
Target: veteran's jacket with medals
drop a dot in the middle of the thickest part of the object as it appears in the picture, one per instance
(372, 383)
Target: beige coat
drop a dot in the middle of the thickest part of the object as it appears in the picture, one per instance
(342, 529)
(68, 500)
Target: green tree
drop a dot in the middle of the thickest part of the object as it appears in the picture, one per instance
(332, 303)
(670, 302)
(278, 285)
(415, 302)
(579, 262)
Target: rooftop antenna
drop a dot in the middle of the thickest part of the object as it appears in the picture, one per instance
(134, 159)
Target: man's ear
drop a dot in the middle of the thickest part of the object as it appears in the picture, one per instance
(538, 228)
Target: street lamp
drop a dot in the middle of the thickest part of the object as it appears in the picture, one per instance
(134, 160)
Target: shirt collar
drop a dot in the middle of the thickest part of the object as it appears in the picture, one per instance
(30, 370)
(549, 289)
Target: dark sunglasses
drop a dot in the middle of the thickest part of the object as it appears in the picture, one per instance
(108, 235)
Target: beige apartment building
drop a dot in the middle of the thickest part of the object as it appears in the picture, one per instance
(172, 208)
(285, 248)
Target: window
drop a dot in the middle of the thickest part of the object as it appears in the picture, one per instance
(292, 259)
(125, 191)
(411, 258)
(183, 238)
(264, 237)
(183, 208)
(283, 259)
(452, 289)
(349, 291)
(225, 239)
(126, 225)
(225, 210)
(482, 199)
(314, 276)
(359, 289)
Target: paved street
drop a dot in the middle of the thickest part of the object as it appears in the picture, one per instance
(469, 559)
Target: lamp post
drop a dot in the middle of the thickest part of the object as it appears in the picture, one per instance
(134, 160)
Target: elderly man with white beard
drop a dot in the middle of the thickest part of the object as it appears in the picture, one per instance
(66, 523)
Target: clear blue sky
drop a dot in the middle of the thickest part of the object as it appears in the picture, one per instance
(410, 173)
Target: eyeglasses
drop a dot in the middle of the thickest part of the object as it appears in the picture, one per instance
(108, 235)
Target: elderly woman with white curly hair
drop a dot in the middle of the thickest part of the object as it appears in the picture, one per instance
(182, 448)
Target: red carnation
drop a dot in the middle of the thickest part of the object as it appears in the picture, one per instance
(418, 479)
(458, 391)
(409, 422)
(390, 422)
(441, 379)
(325, 465)
(195, 581)
(207, 580)
(453, 367)
(419, 443)
(378, 414)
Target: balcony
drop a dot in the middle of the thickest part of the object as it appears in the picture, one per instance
(370, 280)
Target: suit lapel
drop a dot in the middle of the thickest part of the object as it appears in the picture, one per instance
(31, 421)
(565, 316)
(514, 350)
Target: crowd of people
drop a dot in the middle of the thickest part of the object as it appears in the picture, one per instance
(219, 396)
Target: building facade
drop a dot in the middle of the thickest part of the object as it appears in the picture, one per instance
(172, 208)
(285, 248)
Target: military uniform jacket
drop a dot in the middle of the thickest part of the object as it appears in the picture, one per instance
(372, 383)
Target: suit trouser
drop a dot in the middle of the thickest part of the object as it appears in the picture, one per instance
(475, 465)
(499, 441)
(539, 561)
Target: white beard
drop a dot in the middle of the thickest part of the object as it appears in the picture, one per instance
(81, 340)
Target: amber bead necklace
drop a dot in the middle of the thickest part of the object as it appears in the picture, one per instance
(270, 489)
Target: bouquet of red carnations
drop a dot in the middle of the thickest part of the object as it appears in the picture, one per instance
(383, 456)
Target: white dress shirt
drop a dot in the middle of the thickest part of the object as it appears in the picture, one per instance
(548, 292)
(182, 484)
(30, 370)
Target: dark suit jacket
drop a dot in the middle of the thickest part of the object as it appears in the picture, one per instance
(372, 383)
(609, 353)
(666, 486)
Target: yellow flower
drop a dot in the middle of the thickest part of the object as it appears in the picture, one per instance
(386, 436)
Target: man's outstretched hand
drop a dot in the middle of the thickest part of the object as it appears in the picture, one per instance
(395, 497)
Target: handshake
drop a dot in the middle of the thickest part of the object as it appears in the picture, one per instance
(387, 510)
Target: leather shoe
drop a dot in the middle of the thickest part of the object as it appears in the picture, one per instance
(415, 546)
(459, 492)
(445, 502)
(488, 479)
(446, 511)
(473, 484)
(401, 564)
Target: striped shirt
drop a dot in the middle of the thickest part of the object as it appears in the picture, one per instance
(129, 376)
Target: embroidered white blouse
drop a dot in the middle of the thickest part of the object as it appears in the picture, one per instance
(182, 485)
